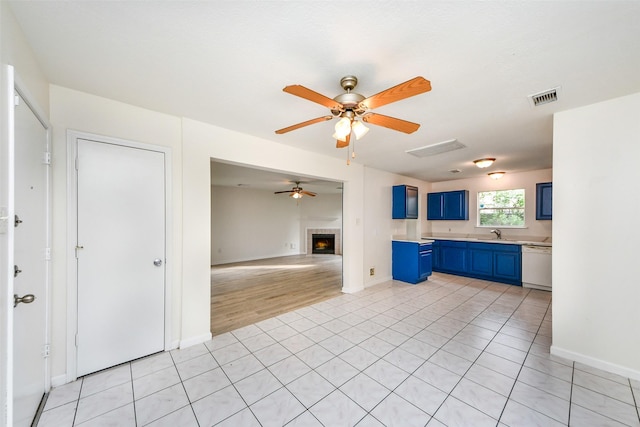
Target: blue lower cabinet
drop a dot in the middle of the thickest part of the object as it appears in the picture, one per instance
(508, 267)
(453, 256)
(480, 262)
(498, 262)
(435, 255)
(411, 261)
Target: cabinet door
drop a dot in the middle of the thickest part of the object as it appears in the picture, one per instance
(435, 206)
(480, 262)
(544, 200)
(435, 255)
(425, 261)
(412, 202)
(506, 265)
(453, 257)
(456, 205)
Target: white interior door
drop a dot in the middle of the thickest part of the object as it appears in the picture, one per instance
(121, 254)
(30, 257)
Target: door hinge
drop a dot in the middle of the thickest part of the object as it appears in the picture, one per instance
(77, 163)
(76, 339)
(78, 249)
(47, 158)
(46, 350)
(47, 254)
(16, 100)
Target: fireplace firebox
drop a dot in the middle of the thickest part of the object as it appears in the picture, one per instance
(323, 243)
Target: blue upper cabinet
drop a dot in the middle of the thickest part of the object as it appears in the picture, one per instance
(448, 205)
(405, 202)
(544, 200)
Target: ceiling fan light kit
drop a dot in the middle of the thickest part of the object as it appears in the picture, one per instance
(297, 192)
(350, 106)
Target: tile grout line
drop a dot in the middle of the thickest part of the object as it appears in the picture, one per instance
(448, 340)
(184, 388)
(133, 395)
(573, 374)
(483, 350)
(523, 362)
(633, 395)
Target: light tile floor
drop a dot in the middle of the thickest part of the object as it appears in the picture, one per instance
(447, 352)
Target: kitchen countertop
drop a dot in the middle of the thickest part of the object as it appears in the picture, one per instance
(523, 240)
(421, 240)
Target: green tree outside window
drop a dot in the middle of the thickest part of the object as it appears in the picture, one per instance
(501, 208)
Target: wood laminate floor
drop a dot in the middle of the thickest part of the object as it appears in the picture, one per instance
(244, 293)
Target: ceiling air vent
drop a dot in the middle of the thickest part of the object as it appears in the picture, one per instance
(438, 148)
(545, 97)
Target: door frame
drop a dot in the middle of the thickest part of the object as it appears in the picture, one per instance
(72, 238)
(12, 82)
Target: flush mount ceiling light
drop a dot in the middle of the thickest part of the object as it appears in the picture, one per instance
(496, 175)
(351, 106)
(484, 163)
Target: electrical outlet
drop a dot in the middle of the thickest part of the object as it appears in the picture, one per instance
(372, 271)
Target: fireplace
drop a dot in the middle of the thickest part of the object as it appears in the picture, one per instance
(336, 233)
(323, 243)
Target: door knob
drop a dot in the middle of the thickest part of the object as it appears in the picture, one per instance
(16, 271)
(157, 262)
(27, 299)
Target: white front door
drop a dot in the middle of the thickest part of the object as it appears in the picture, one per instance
(30, 257)
(120, 254)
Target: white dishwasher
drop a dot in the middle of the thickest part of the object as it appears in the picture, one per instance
(536, 267)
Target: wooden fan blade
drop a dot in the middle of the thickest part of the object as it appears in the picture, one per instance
(281, 192)
(313, 96)
(390, 122)
(345, 143)
(308, 193)
(303, 124)
(404, 90)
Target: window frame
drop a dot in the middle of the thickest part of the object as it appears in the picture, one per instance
(523, 208)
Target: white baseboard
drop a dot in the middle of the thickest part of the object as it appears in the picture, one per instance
(58, 380)
(378, 281)
(596, 363)
(195, 340)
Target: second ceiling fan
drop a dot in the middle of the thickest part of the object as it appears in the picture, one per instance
(351, 106)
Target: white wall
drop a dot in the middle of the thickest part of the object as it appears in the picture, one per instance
(203, 142)
(87, 113)
(249, 224)
(322, 211)
(380, 228)
(596, 296)
(526, 180)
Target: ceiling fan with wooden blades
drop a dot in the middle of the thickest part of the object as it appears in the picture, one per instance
(351, 106)
(296, 192)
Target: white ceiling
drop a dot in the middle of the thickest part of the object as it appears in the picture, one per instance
(226, 62)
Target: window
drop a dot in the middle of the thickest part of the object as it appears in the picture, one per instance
(501, 208)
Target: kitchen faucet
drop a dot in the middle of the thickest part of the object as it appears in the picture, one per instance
(498, 233)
